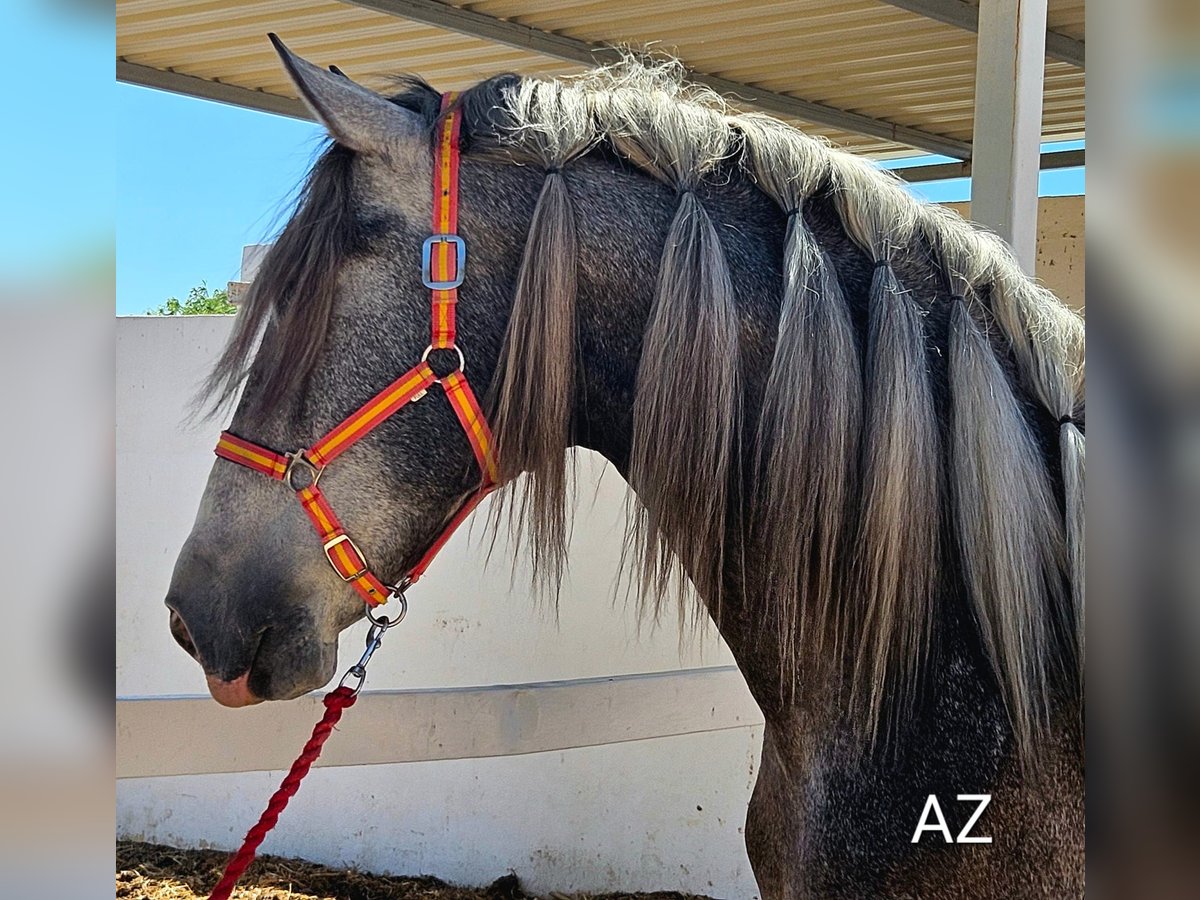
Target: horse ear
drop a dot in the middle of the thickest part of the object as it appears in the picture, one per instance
(356, 117)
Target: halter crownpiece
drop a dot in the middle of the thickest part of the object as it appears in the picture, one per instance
(443, 265)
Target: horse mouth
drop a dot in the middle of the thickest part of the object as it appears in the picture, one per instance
(282, 665)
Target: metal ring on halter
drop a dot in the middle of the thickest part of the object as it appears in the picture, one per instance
(386, 622)
(296, 460)
(462, 360)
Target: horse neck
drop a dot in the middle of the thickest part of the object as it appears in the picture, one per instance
(623, 225)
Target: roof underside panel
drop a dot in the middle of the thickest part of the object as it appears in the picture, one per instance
(861, 56)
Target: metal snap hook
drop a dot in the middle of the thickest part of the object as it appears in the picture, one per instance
(374, 639)
(354, 672)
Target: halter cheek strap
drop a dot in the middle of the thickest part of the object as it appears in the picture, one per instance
(443, 265)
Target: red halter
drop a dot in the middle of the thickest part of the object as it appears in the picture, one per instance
(443, 264)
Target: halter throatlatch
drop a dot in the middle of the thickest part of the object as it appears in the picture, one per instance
(443, 265)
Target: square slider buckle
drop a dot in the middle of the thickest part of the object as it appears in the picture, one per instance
(309, 472)
(345, 539)
(460, 261)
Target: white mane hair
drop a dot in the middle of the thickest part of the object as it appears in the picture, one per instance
(852, 536)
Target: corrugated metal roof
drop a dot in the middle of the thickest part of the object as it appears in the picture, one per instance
(863, 57)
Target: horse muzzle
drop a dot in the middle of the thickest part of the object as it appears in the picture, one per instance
(234, 693)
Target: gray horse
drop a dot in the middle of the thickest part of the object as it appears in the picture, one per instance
(850, 420)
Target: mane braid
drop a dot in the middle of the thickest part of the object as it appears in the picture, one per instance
(537, 381)
(1047, 340)
(898, 552)
(687, 399)
(687, 396)
(1073, 458)
(535, 385)
(1009, 530)
(812, 411)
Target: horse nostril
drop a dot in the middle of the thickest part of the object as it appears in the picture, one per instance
(179, 631)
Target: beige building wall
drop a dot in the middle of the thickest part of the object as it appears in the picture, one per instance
(1060, 246)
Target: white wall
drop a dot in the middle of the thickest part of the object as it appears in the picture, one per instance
(586, 754)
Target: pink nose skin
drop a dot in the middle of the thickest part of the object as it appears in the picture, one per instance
(232, 693)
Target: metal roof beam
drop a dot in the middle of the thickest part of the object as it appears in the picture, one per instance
(191, 86)
(966, 16)
(1061, 159)
(523, 37)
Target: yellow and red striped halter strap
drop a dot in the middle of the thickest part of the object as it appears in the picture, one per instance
(443, 267)
(444, 262)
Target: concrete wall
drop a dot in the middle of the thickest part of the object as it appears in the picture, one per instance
(584, 753)
(1060, 246)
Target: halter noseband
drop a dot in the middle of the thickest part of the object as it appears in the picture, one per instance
(443, 264)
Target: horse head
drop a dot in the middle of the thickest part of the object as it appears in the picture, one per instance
(338, 310)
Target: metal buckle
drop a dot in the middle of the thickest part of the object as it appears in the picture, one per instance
(345, 539)
(460, 261)
(297, 458)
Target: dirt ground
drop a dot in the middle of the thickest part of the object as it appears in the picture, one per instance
(155, 872)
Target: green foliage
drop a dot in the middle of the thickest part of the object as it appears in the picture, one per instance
(199, 302)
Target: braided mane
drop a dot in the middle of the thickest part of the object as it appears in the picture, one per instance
(859, 499)
(853, 533)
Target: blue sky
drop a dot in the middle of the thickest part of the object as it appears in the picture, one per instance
(57, 152)
(196, 180)
(1052, 183)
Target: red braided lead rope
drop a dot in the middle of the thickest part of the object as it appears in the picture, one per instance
(336, 701)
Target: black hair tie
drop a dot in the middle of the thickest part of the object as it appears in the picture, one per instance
(1065, 420)
(883, 264)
